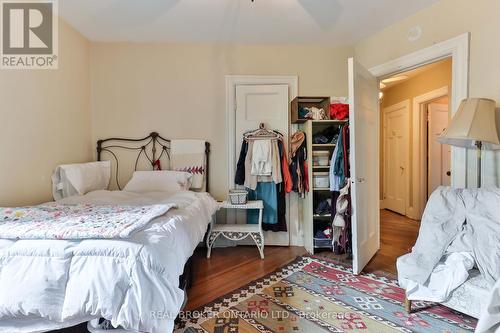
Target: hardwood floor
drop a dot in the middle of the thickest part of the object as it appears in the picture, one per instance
(229, 269)
(232, 268)
(398, 233)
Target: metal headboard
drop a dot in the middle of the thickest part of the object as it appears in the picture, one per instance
(153, 147)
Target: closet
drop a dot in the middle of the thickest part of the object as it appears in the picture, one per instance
(249, 99)
(315, 217)
(363, 122)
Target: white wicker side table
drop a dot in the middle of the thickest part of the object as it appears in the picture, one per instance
(237, 232)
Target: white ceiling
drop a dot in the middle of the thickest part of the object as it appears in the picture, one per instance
(240, 21)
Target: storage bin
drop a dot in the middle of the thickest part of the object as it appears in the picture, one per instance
(238, 197)
(321, 157)
(323, 243)
(321, 180)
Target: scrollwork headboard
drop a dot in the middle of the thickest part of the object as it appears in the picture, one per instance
(152, 148)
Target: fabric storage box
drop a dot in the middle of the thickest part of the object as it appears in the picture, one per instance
(321, 157)
(238, 197)
(322, 243)
(321, 180)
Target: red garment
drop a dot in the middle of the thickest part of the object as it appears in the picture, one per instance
(339, 111)
(287, 178)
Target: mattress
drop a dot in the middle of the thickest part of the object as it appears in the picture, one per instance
(50, 284)
(470, 297)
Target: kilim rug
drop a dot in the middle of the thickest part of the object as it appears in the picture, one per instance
(316, 295)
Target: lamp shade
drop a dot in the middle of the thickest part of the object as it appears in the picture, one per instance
(475, 120)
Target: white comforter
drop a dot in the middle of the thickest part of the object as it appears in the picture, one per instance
(49, 284)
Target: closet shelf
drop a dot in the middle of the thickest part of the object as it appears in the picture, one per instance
(330, 121)
(316, 216)
(319, 167)
(321, 189)
(323, 144)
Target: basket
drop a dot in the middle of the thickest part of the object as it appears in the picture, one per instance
(322, 243)
(321, 157)
(321, 180)
(238, 197)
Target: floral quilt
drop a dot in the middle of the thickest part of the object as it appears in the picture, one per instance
(81, 221)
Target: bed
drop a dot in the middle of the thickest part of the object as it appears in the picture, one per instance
(137, 283)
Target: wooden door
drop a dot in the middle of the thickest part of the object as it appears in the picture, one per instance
(364, 123)
(395, 158)
(268, 104)
(439, 155)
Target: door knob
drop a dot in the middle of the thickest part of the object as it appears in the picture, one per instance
(448, 173)
(361, 180)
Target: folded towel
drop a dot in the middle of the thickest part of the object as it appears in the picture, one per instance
(189, 156)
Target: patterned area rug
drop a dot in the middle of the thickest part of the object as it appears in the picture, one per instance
(315, 295)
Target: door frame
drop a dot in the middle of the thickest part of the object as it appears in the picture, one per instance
(295, 234)
(458, 49)
(419, 174)
(397, 106)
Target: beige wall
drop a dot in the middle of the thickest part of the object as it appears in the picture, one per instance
(444, 20)
(45, 121)
(179, 89)
(438, 76)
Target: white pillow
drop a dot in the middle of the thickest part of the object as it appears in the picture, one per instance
(158, 181)
(80, 178)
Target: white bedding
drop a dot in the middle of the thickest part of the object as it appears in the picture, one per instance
(49, 284)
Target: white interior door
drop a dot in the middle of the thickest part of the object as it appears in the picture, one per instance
(268, 104)
(395, 140)
(364, 122)
(439, 156)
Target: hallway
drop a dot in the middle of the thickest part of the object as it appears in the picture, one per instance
(398, 233)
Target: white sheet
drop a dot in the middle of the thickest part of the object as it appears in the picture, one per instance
(489, 322)
(450, 272)
(48, 284)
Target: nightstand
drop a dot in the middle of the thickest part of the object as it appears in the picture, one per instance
(237, 232)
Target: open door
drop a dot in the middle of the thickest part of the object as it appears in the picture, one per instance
(364, 124)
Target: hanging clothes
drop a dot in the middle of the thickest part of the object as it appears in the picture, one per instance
(298, 165)
(239, 178)
(265, 191)
(262, 158)
(339, 163)
(340, 194)
(262, 168)
(251, 179)
(281, 190)
(285, 171)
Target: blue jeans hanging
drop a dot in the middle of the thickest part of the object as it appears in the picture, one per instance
(267, 193)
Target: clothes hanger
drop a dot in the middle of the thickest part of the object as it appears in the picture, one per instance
(262, 134)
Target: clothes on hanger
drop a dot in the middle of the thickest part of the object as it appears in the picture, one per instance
(341, 235)
(298, 165)
(340, 194)
(339, 163)
(263, 169)
(239, 178)
(261, 158)
(251, 180)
